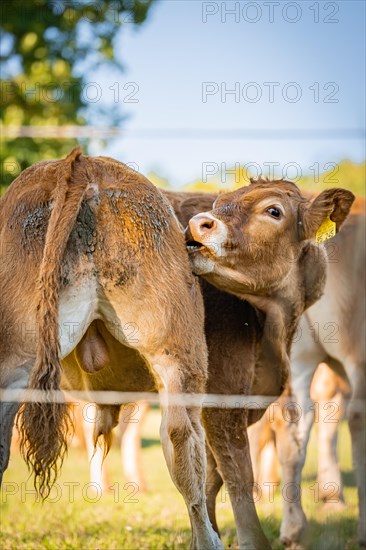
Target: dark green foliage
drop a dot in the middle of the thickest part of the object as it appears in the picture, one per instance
(47, 48)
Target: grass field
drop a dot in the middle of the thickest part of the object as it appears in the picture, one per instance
(158, 519)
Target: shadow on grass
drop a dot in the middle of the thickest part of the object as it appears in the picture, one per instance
(333, 534)
(149, 442)
(348, 479)
(270, 526)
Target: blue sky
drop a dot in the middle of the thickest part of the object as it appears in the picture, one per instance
(175, 52)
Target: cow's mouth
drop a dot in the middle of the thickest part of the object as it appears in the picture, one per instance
(194, 246)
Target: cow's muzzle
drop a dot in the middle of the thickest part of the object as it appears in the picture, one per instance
(204, 231)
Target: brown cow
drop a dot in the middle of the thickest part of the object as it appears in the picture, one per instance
(92, 248)
(255, 243)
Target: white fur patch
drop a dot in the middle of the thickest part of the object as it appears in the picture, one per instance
(77, 310)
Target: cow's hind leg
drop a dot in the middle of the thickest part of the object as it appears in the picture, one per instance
(213, 485)
(228, 440)
(183, 442)
(8, 411)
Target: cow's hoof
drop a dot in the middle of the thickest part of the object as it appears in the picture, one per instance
(293, 534)
(292, 545)
(296, 543)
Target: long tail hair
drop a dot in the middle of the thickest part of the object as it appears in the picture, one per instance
(44, 427)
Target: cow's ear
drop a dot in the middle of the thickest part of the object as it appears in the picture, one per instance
(333, 204)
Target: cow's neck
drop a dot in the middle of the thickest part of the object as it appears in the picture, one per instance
(282, 309)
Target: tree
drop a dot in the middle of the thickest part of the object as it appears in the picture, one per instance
(47, 48)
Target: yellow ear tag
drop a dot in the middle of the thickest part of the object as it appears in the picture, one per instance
(326, 231)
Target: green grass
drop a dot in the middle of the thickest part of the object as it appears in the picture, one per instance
(158, 520)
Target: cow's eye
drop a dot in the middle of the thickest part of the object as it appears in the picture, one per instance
(274, 212)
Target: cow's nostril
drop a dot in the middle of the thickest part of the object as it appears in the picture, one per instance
(207, 225)
(201, 226)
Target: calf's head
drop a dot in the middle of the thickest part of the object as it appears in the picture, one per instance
(253, 239)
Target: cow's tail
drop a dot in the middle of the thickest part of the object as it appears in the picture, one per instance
(44, 426)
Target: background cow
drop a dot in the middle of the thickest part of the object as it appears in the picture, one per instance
(329, 392)
(332, 330)
(130, 424)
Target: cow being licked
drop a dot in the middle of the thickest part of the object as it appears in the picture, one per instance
(89, 244)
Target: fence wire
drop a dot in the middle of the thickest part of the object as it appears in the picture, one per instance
(116, 397)
(94, 132)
